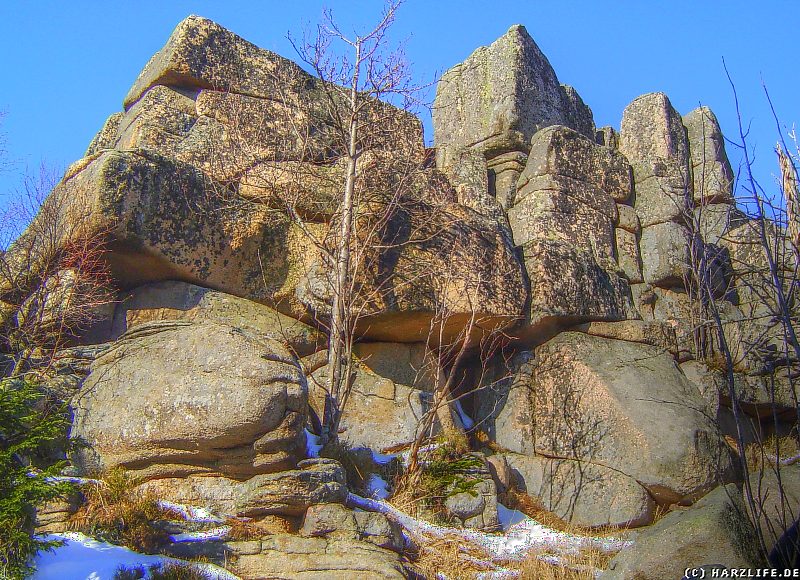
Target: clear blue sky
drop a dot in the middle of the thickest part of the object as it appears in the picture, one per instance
(66, 66)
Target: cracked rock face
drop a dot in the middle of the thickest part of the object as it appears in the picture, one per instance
(176, 398)
(585, 494)
(179, 184)
(498, 98)
(712, 176)
(617, 404)
(713, 531)
(573, 242)
(391, 389)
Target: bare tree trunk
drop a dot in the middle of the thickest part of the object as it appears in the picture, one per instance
(341, 302)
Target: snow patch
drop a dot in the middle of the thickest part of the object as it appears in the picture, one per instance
(775, 460)
(376, 487)
(218, 533)
(82, 558)
(313, 445)
(382, 458)
(191, 513)
(509, 517)
(520, 538)
(466, 420)
(71, 479)
(406, 455)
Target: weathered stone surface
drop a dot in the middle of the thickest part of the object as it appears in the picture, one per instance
(562, 151)
(249, 91)
(713, 531)
(665, 250)
(69, 367)
(158, 121)
(106, 136)
(377, 529)
(706, 380)
(714, 220)
(176, 398)
(186, 205)
(336, 522)
(290, 492)
(459, 260)
(201, 54)
(68, 305)
(476, 508)
(167, 221)
(711, 171)
(622, 405)
(285, 556)
(333, 520)
(653, 139)
(607, 136)
(469, 175)
(628, 256)
(750, 277)
(235, 133)
(577, 113)
(765, 396)
(54, 516)
(310, 189)
(627, 219)
(550, 210)
(390, 393)
(584, 494)
(568, 286)
(778, 500)
(566, 193)
(662, 196)
(654, 333)
(651, 129)
(181, 301)
(504, 172)
(671, 306)
(498, 98)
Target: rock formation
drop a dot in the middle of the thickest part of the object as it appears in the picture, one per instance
(577, 244)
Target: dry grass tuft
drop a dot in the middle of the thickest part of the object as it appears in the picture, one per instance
(274, 524)
(763, 454)
(171, 571)
(577, 568)
(516, 499)
(460, 561)
(450, 556)
(243, 530)
(445, 471)
(532, 507)
(483, 439)
(116, 512)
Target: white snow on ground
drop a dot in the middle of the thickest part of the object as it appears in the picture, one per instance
(191, 513)
(382, 458)
(82, 558)
(519, 539)
(406, 455)
(466, 420)
(785, 461)
(376, 487)
(313, 445)
(219, 533)
(76, 480)
(509, 517)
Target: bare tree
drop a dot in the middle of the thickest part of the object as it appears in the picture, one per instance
(339, 157)
(459, 340)
(54, 279)
(745, 328)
